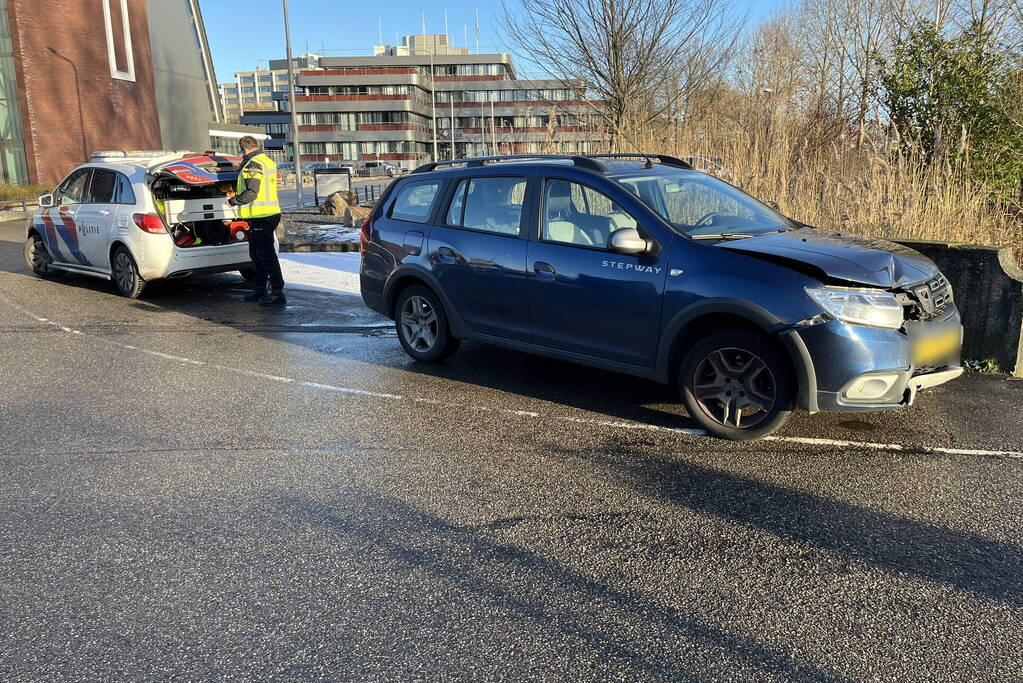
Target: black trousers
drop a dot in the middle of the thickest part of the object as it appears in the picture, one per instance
(261, 250)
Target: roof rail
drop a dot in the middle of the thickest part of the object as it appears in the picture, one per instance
(662, 158)
(136, 154)
(580, 161)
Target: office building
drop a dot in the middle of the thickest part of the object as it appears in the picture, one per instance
(423, 44)
(393, 106)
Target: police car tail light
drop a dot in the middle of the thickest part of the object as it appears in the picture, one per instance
(150, 222)
(367, 226)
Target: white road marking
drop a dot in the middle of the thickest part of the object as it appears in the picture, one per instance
(812, 441)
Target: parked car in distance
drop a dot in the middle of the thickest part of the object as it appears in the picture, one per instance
(135, 217)
(377, 168)
(309, 169)
(642, 265)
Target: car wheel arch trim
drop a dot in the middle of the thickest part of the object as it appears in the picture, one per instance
(408, 275)
(117, 244)
(771, 325)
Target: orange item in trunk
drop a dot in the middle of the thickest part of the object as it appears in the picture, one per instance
(239, 231)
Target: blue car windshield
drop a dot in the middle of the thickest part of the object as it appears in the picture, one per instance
(699, 205)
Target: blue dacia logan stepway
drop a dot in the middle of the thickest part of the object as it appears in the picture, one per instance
(639, 264)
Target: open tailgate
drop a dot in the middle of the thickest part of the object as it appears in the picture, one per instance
(200, 169)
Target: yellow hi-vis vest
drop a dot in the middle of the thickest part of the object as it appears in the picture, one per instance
(263, 167)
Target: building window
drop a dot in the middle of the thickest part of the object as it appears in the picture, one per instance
(118, 29)
(13, 165)
(248, 79)
(265, 78)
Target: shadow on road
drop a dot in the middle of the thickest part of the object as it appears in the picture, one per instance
(544, 592)
(959, 559)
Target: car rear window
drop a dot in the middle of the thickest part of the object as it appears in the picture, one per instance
(492, 204)
(415, 202)
(124, 193)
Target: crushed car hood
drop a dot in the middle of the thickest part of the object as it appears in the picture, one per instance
(870, 262)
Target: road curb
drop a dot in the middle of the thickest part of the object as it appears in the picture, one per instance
(304, 247)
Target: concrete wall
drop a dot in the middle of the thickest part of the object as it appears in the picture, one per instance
(988, 287)
(71, 105)
(182, 88)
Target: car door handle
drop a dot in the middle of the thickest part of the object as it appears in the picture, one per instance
(447, 255)
(104, 212)
(544, 270)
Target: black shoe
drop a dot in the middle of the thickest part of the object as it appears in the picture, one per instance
(255, 295)
(274, 298)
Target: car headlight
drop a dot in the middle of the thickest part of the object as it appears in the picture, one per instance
(859, 306)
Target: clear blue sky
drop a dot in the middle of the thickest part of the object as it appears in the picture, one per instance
(345, 27)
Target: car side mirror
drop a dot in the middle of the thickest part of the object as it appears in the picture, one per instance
(629, 241)
(46, 200)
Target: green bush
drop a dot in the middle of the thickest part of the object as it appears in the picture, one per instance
(9, 191)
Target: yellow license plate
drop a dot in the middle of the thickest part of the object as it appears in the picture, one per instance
(936, 347)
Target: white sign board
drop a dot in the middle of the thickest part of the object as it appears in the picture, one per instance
(327, 181)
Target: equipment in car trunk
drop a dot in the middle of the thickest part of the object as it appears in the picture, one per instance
(239, 231)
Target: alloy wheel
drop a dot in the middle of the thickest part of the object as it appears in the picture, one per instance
(419, 324)
(735, 388)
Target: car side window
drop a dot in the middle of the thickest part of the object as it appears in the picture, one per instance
(492, 204)
(124, 193)
(577, 214)
(73, 189)
(104, 183)
(415, 202)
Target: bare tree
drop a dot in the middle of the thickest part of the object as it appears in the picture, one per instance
(638, 57)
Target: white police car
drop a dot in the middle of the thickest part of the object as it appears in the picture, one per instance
(135, 217)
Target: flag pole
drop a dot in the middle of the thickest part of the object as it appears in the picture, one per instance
(296, 150)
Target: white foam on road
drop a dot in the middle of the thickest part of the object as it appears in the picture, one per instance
(322, 271)
(354, 391)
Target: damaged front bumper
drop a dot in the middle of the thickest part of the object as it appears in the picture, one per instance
(858, 368)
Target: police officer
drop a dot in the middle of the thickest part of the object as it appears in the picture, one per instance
(256, 199)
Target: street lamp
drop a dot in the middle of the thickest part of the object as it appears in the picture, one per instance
(296, 153)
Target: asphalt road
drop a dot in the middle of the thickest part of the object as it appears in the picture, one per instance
(194, 488)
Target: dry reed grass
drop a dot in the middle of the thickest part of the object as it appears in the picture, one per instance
(816, 175)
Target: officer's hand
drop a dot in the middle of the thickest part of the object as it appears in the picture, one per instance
(230, 192)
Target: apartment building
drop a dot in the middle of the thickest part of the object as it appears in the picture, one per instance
(400, 107)
(252, 91)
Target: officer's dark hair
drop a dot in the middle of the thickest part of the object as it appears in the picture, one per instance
(248, 142)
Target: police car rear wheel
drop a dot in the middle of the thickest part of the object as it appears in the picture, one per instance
(422, 326)
(126, 274)
(38, 259)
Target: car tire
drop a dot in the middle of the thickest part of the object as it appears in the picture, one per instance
(737, 386)
(422, 325)
(38, 258)
(125, 273)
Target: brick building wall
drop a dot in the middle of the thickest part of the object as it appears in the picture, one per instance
(71, 103)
